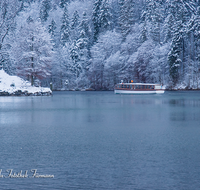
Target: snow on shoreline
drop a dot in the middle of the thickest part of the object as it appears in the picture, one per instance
(13, 85)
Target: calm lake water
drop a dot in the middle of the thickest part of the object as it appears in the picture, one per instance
(99, 140)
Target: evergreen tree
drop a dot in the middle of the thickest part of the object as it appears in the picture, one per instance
(52, 28)
(153, 16)
(174, 56)
(83, 43)
(193, 29)
(76, 66)
(196, 29)
(65, 28)
(95, 18)
(64, 3)
(8, 11)
(105, 17)
(84, 26)
(44, 10)
(74, 26)
(181, 12)
(193, 69)
(115, 11)
(101, 18)
(143, 36)
(168, 28)
(127, 15)
(75, 20)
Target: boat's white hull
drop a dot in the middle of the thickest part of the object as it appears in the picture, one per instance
(139, 92)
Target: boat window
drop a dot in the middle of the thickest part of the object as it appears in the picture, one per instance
(128, 86)
(132, 86)
(146, 86)
(152, 87)
(139, 86)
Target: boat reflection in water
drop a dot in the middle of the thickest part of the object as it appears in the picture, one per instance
(138, 88)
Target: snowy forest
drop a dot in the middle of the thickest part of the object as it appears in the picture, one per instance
(80, 44)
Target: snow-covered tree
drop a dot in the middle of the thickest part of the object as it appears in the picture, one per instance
(32, 50)
(107, 45)
(105, 17)
(83, 43)
(152, 17)
(64, 3)
(76, 67)
(84, 27)
(127, 16)
(157, 69)
(193, 67)
(8, 11)
(168, 28)
(52, 28)
(141, 60)
(174, 55)
(44, 10)
(74, 25)
(61, 70)
(65, 27)
(95, 18)
(101, 17)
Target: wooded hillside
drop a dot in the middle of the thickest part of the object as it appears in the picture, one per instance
(79, 44)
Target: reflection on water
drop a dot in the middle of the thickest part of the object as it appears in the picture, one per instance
(99, 140)
(185, 102)
(183, 116)
(186, 107)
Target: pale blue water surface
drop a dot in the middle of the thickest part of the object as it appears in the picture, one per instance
(99, 140)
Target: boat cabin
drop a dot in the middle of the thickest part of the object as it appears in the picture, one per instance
(138, 88)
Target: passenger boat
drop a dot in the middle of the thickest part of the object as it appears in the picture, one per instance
(138, 88)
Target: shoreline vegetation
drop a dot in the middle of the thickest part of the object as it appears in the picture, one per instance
(84, 90)
(26, 93)
(16, 86)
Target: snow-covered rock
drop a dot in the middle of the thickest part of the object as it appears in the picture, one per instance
(13, 85)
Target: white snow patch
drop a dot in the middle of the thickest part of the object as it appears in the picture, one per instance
(12, 84)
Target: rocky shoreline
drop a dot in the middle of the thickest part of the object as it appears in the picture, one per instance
(25, 93)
